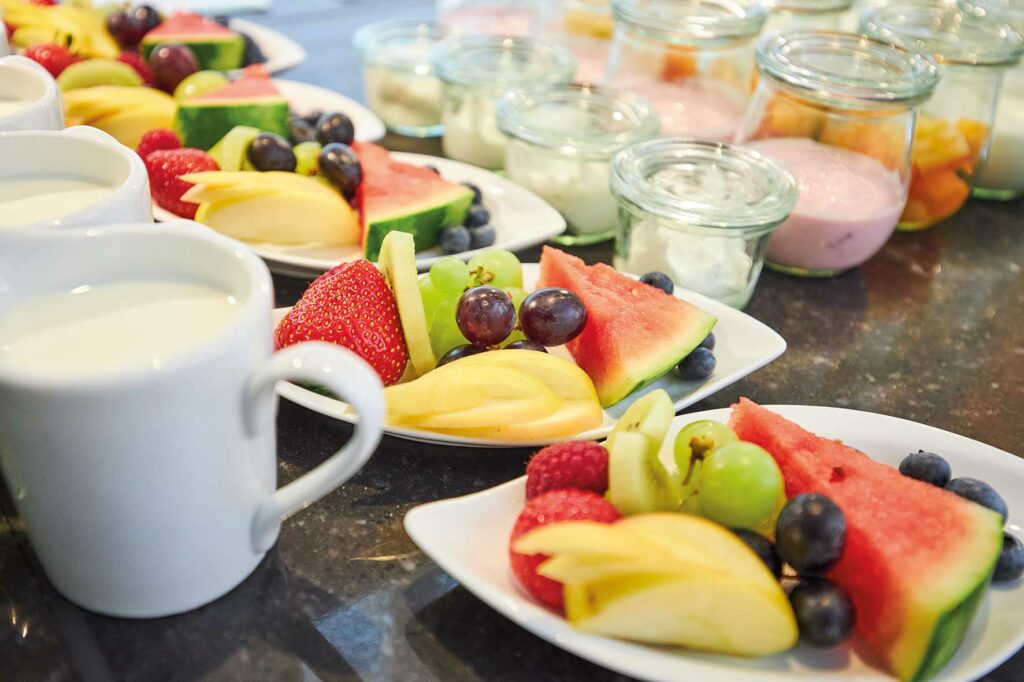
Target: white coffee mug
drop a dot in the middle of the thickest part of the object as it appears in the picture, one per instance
(29, 96)
(5, 49)
(144, 490)
(32, 162)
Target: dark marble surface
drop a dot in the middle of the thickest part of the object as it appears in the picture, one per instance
(931, 330)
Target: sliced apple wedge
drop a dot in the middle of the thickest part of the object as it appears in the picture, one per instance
(591, 539)
(563, 377)
(574, 417)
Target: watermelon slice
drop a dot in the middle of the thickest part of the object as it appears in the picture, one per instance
(634, 333)
(215, 46)
(252, 100)
(400, 196)
(917, 560)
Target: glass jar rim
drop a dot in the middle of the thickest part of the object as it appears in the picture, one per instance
(1005, 12)
(633, 113)
(846, 68)
(946, 33)
(371, 42)
(697, 20)
(776, 195)
(809, 6)
(501, 61)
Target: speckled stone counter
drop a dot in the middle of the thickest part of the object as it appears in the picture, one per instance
(930, 330)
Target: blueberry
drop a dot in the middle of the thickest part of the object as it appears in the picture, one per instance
(483, 236)
(697, 365)
(478, 196)
(253, 53)
(433, 169)
(1011, 560)
(708, 342)
(454, 239)
(526, 344)
(824, 612)
(313, 117)
(763, 548)
(980, 492)
(810, 533)
(477, 217)
(927, 467)
(658, 280)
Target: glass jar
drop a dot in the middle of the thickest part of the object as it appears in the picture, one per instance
(806, 15)
(494, 17)
(585, 27)
(398, 77)
(561, 142)
(838, 110)
(476, 72)
(952, 135)
(699, 211)
(1002, 175)
(692, 60)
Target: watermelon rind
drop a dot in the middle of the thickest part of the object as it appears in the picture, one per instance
(423, 221)
(220, 53)
(203, 123)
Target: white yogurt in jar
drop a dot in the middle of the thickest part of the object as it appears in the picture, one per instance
(403, 99)
(31, 200)
(471, 128)
(1003, 172)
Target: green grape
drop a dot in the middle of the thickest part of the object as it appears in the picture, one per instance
(307, 157)
(498, 268)
(444, 332)
(449, 275)
(431, 297)
(518, 296)
(198, 83)
(740, 486)
(693, 446)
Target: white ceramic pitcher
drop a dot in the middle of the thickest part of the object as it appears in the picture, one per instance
(27, 83)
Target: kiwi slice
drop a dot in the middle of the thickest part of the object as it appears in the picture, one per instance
(397, 263)
(650, 415)
(637, 480)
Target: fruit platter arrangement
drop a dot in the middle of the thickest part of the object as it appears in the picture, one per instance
(478, 352)
(727, 544)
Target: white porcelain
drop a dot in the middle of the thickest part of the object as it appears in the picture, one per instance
(150, 490)
(743, 345)
(281, 51)
(305, 98)
(84, 153)
(520, 218)
(5, 48)
(476, 555)
(24, 80)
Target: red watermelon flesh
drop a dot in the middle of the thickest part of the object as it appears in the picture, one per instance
(187, 24)
(634, 333)
(917, 560)
(255, 83)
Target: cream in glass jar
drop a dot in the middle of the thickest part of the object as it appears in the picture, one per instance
(476, 72)
(699, 211)
(561, 142)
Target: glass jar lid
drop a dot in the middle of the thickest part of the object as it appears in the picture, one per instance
(577, 118)
(501, 61)
(399, 43)
(949, 35)
(708, 186)
(809, 6)
(689, 21)
(845, 68)
(1006, 11)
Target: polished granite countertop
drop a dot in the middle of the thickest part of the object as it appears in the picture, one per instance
(932, 330)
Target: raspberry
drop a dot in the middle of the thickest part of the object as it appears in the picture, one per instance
(572, 464)
(552, 507)
(157, 139)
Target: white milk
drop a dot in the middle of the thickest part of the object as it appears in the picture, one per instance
(10, 106)
(32, 200)
(89, 330)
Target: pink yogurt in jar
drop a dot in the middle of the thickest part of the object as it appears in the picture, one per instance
(848, 207)
(695, 109)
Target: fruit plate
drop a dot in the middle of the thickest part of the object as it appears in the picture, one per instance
(743, 345)
(477, 556)
(281, 51)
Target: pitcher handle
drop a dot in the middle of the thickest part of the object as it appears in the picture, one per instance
(352, 380)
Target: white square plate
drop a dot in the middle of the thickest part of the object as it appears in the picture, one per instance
(743, 345)
(477, 556)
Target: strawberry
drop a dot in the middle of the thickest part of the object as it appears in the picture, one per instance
(165, 170)
(10, 30)
(353, 307)
(573, 464)
(135, 60)
(552, 507)
(54, 58)
(157, 139)
(44, 3)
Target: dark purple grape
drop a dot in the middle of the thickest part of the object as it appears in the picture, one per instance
(147, 16)
(463, 351)
(824, 612)
(301, 131)
(313, 117)
(335, 127)
(340, 165)
(171, 63)
(253, 54)
(552, 316)
(526, 344)
(485, 315)
(271, 152)
(125, 28)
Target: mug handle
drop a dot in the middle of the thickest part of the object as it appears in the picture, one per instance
(347, 376)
